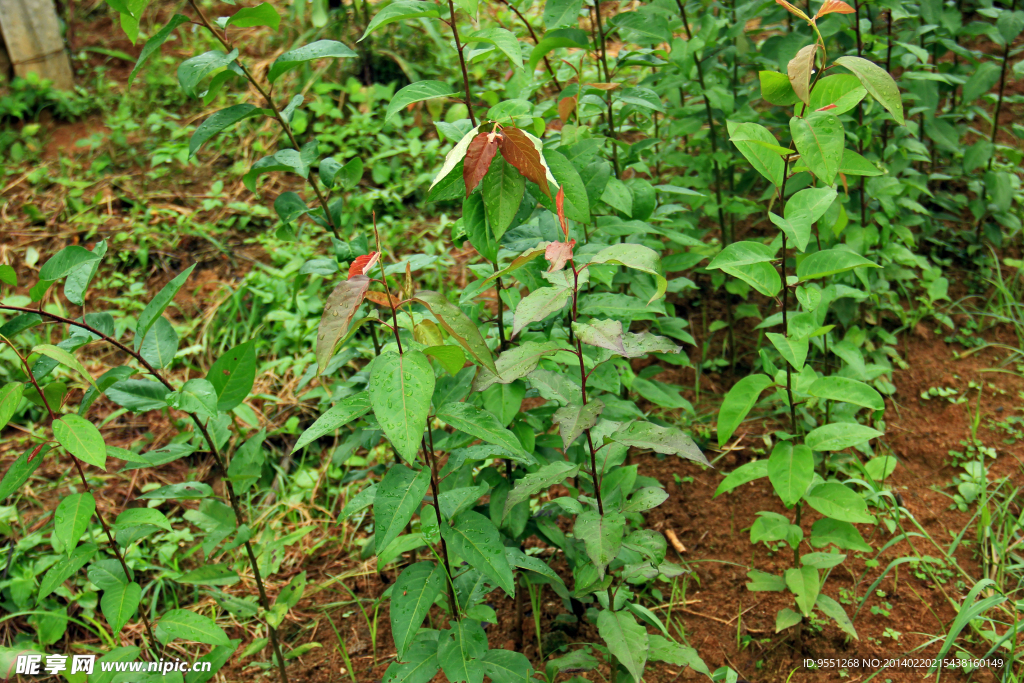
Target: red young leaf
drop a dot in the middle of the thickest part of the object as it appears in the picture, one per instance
(518, 150)
(478, 159)
(826, 107)
(566, 107)
(560, 206)
(557, 253)
(362, 264)
(837, 6)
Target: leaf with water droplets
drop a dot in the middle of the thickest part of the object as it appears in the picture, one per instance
(800, 69)
(400, 389)
(460, 327)
(819, 139)
(573, 420)
(341, 306)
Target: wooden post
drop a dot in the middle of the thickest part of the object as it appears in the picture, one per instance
(34, 44)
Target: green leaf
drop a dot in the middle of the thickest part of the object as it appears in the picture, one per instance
(81, 439)
(881, 467)
(547, 476)
(506, 666)
(577, 203)
(221, 120)
(317, 50)
(153, 44)
(848, 390)
(210, 575)
(21, 469)
(476, 540)
(538, 305)
(233, 374)
(806, 207)
(417, 92)
(398, 497)
(474, 221)
(80, 276)
(71, 519)
(573, 420)
(601, 536)
(741, 254)
(458, 650)
(192, 71)
(737, 403)
(667, 440)
(195, 396)
(840, 503)
(502, 191)
(160, 345)
(616, 194)
(138, 516)
(156, 307)
(877, 82)
(776, 89)
(833, 609)
(188, 490)
(119, 604)
(830, 262)
(411, 599)
(985, 76)
(554, 39)
(791, 471)
(637, 257)
(460, 327)
(765, 161)
(645, 499)
(805, 584)
(819, 140)
(748, 472)
(66, 260)
(187, 625)
(10, 399)
(400, 389)
(842, 90)
(762, 582)
(339, 415)
(794, 351)
(559, 13)
(855, 164)
(483, 425)
(504, 40)
(8, 276)
(420, 662)
(262, 14)
(656, 32)
(664, 650)
(786, 618)
(64, 569)
(451, 358)
(840, 435)
(625, 639)
(398, 11)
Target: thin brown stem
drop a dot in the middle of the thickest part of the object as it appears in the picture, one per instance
(428, 452)
(222, 38)
(236, 505)
(85, 484)
(462, 62)
(533, 36)
(583, 385)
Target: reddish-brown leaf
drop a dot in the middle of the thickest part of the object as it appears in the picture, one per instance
(339, 310)
(478, 159)
(381, 299)
(517, 150)
(560, 207)
(826, 107)
(362, 264)
(566, 107)
(557, 253)
(602, 86)
(834, 6)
